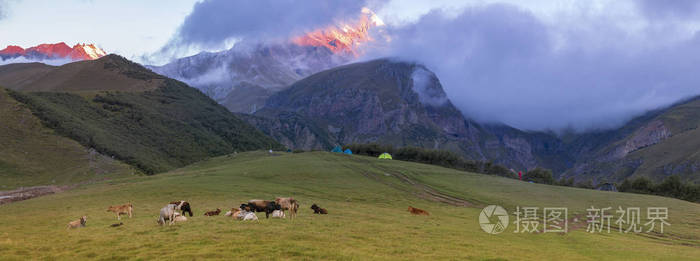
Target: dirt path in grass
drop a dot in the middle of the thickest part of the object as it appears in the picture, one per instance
(29, 192)
(419, 189)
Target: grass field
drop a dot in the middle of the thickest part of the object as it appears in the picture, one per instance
(367, 221)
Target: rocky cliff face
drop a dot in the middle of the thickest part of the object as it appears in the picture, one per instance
(389, 102)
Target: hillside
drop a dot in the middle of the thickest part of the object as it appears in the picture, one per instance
(397, 103)
(32, 154)
(656, 145)
(366, 199)
(127, 112)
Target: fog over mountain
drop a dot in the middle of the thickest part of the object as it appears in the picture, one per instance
(502, 63)
(583, 65)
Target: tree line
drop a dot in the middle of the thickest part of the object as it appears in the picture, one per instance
(670, 187)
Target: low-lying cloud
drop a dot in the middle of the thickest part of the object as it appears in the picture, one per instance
(501, 63)
(54, 62)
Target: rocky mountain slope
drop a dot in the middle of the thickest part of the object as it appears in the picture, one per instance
(656, 145)
(390, 102)
(244, 76)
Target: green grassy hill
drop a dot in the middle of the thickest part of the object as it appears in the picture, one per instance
(127, 112)
(367, 200)
(32, 154)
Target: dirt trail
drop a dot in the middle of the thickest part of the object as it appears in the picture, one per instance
(419, 189)
(29, 192)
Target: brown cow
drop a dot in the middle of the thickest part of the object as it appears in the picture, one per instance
(288, 204)
(123, 209)
(213, 213)
(77, 223)
(417, 211)
(319, 210)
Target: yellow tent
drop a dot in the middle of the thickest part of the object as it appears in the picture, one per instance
(385, 156)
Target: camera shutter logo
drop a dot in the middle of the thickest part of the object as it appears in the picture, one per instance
(493, 219)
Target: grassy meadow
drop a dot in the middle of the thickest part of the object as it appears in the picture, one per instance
(367, 220)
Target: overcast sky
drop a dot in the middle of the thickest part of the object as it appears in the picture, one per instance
(532, 64)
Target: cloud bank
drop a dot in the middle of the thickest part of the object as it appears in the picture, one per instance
(217, 24)
(501, 63)
(54, 62)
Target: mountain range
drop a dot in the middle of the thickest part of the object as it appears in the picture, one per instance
(60, 50)
(308, 96)
(403, 104)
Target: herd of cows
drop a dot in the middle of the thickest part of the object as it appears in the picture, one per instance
(176, 211)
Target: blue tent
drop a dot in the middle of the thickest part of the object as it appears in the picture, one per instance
(348, 151)
(337, 149)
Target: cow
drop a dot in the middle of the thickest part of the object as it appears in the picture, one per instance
(179, 217)
(246, 215)
(258, 205)
(278, 213)
(213, 213)
(183, 206)
(288, 204)
(167, 213)
(77, 223)
(417, 211)
(318, 210)
(123, 209)
(234, 213)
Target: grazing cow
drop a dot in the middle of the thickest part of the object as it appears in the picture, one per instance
(77, 223)
(183, 206)
(318, 210)
(288, 204)
(167, 213)
(117, 224)
(278, 213)
(258, 205)
(213, 213)
(417, 211)
(123, 209)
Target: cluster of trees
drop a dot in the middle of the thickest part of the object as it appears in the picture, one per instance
(670, 187)
(442, 158)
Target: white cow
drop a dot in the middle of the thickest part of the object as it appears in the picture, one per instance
(167, 213)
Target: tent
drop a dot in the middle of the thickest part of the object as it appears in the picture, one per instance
(348, 151)
(608, 187)
(337, 149)
(385, 156)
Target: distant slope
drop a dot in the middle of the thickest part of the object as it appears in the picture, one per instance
(656, 145)
(32, 154)
(126, 111)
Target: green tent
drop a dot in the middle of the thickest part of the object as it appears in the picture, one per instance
(348, 151)
(337, 149)
(385, 156)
